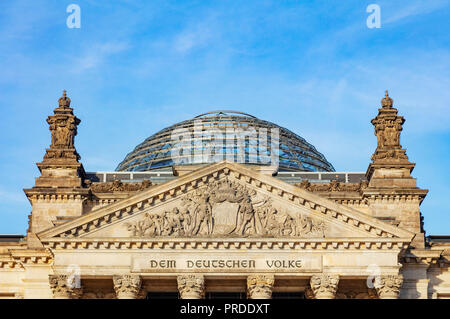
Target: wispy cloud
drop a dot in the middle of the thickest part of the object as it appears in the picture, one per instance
(197, 34)
(414, 8)
(136, 67)
(97, 54)
(189, 39)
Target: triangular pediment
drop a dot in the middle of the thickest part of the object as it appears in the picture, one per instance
(226, 200)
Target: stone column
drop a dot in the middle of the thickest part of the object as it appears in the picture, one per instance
(127, 286)
(63, 287)
(388, 286)
(260, 286)
(324, 286)
(191, 286)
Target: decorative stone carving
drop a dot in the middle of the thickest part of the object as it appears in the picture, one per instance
(61, 166)
(63, 127)
(191, 286)
(333, 186)
(388, 286)
(279, 223)
(387, 101)
(118, 186)
(227, 209)
(127, 286)
(64, 101)
(324, 286)
(388, 126)
(260, 286)
(63, 288)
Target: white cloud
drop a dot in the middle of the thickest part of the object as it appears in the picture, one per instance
(97, 54)
(196, 35)
(414, 9)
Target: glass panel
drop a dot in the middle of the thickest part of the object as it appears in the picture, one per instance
(156, 151)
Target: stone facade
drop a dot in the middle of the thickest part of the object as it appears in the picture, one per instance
(225, 227)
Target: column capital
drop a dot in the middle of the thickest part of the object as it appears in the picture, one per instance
(260, 286)
(127, 286)
(388, 286)
(324, 286)
(191, 286)
(63, 287)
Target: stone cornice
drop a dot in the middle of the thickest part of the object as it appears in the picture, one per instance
(372, 167)
(6, 261)
(421, 256)
(389, 194)
(171, 189)
(325, 244)
(19, 258)
(393, 192)
(56, 194)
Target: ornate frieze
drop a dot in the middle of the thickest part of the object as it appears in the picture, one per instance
(388, 286)
(333, 186)
(324, 286)
(63, 287)
(226, 208)
(118, 186)
(191, 286)
(260, 286)
(127, 286)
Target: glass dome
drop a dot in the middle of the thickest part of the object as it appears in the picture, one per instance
(218, 135)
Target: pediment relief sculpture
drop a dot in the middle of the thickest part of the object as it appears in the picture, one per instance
(230, 204)
(226, 208)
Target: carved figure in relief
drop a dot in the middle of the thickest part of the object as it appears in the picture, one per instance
(187, 221)
(262, 213)
(149, 224)
(390, 136)
(275, 223)
(379, 133)
(244, 215)
(172, 222)
(203, 218)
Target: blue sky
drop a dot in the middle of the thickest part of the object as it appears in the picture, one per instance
(135, 67)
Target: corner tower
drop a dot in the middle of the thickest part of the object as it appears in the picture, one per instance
(59, 192)
(392, 192)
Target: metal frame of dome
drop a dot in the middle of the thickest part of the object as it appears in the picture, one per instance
(157, 151)
(222, 112)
